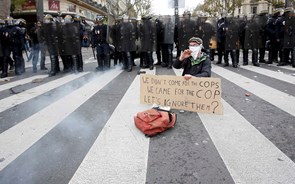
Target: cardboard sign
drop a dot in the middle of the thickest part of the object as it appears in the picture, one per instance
(196, 94)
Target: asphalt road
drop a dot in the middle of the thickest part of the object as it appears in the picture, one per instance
(78, 128)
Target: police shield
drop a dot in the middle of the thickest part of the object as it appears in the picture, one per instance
(261, 21)
(147, 35)
(207, 31)
(168, 29)
(289, 32)
(251, 34)
(127, 37)
(69, 39)
(231, 32)
(49, 33)
(186, 30)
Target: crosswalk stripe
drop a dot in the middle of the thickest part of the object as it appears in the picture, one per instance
(19, 138)
(120, 153)
(249, 156)
(34, 92)
(276, 75)
(284, 67)
(21, 82)
(262, 91)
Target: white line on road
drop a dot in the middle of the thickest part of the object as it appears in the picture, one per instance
(277, 98)
(21, 82)
(273, 74)
(16, 140)
(120, 153)
(34, 92)
(249, 156)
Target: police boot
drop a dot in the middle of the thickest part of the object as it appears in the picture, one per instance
(219, 57)
(238, 56)
(150, 60)
(4, 68)
(17, 66)
(226, 59)
(99, 63)
(107, 62)
(158, 53)
(245, 56)
(284, 58)
(255, 57)
(234, 59)
(80, 63)
(261, 56)
(75, 63)
(129, 62)
(53, 63)
(169, 59)
(293, 57)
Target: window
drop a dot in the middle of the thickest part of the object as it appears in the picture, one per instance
(254, 10)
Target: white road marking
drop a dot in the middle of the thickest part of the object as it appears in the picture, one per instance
(17, 139)
(120, 153)
(34, 92)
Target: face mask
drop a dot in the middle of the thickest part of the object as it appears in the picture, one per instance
(195, 51)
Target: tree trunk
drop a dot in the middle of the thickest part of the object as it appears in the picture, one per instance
(4, 8)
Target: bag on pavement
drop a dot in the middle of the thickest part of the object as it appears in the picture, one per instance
(154, 121)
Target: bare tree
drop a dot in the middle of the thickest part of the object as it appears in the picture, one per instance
(214, 7)
(5, 8)
(133, 8)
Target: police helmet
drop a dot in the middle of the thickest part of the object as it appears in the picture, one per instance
(77, 18)
(99, 18)
(48, 18)
(2, 22)
(288, 10)
(9, 21)
(263, 12)
(186, 13)
(278, 11)
(21, 22)
(68, 19)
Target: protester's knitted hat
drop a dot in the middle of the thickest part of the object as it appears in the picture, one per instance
(196, 39)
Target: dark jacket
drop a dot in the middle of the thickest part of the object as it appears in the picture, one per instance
(198, 68)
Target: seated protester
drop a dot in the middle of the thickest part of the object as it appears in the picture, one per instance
(193, 61)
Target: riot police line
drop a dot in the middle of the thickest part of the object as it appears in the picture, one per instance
(132, 38)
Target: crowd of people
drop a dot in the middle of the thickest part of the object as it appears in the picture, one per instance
(129, 38)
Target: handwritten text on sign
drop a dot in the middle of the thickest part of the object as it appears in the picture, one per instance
(196, 94)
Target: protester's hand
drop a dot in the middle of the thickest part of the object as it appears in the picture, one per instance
(187, 76)
(185, 54)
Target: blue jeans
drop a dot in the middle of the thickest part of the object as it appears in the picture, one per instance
(43, 52)
(35, 51)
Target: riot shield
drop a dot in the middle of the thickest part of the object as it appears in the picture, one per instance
(168, 29)
(251, 34)
(69, 39)
(186, 30)
(127, 37)
(261, 21)
(207, 31)
(231, 33)
(147, 35)
(49, 32)
(289, 32)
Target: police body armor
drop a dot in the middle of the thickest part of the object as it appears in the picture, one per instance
(289, 31)
(69, 42)
(231, 33)
(207, 31)
(147, 36)
(49, 32)
(186, 30)
(251, 34)
(127, 39)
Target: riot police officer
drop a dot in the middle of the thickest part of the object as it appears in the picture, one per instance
(49, 34)
(11, 38)
(77, 20)
(99, 41)
(220, 38)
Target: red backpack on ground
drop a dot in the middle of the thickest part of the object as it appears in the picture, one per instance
(154, 121)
